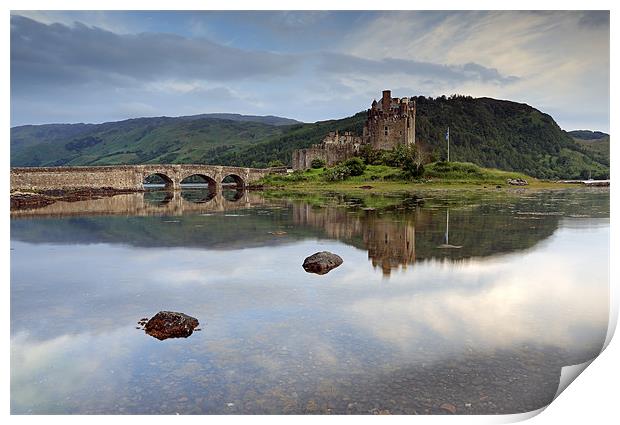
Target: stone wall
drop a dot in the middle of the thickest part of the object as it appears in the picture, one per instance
(125, 177)
(330, 154)
(49, 178)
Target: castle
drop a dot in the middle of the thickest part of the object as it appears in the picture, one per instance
(389, 123)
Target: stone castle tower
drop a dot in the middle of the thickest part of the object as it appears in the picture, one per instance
(390, 122)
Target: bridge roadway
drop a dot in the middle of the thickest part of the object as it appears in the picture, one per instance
(130, 177)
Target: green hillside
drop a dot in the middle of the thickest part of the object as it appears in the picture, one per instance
(594, 143)
(502, 134)
(136, 141)
(488, 132)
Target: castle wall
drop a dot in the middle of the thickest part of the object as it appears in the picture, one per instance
(390, 123)
(331, 154)
(388, 132)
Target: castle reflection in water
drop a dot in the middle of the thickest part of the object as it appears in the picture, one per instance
(390, 243)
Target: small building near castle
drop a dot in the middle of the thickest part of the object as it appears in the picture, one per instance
(389, 123)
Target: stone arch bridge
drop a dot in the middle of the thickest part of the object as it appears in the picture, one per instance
(131, 177)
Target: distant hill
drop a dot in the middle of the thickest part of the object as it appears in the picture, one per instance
(594, 143)
(194, 138)
(264, 119)
(489, 132)
(587, 134)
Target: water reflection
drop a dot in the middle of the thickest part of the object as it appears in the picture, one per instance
(155, 197)
(151, 202)
(406, 231)
(199, 196)
(485, 328)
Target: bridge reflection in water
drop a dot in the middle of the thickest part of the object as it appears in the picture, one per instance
(151, 203)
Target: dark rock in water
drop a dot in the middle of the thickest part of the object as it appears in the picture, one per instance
(170, 324)
(517, 182)
(321, 262)
(448, 407)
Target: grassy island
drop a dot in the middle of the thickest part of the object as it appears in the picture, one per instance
(387, 178)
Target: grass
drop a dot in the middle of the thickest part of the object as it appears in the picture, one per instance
(383, 178)
(466, 172)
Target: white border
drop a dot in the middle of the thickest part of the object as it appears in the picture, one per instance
(591, 399)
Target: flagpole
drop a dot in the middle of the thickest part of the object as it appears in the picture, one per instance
(448, 143)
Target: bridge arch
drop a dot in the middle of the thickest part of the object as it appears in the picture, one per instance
(199, 179)
(233, 187)
(233, 179)
(157, 178)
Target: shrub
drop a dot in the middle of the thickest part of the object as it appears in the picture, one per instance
(317, 163)
(356, 166)
(275, 163)
(400, 155)
(370, 155)
(338, 173)
(412, 169)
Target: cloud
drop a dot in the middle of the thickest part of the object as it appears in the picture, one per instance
(349, 64)
(61, 54)
(560, 57)
(595, 18)
(304, 65)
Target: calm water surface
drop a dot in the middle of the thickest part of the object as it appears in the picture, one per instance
(445, 300)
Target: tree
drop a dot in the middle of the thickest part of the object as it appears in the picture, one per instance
(370, 155)
(275, 163)
(317, 163)
(355, 165)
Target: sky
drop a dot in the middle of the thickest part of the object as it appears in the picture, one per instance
(71, 66)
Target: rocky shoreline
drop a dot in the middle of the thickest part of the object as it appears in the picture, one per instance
(39, 199)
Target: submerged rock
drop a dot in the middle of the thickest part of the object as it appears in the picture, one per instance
(448, 407)
(321, 262)
(170, 324)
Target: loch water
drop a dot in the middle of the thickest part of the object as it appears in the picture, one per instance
(447, 301)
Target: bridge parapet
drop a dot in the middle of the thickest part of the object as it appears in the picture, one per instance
(127, 177)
